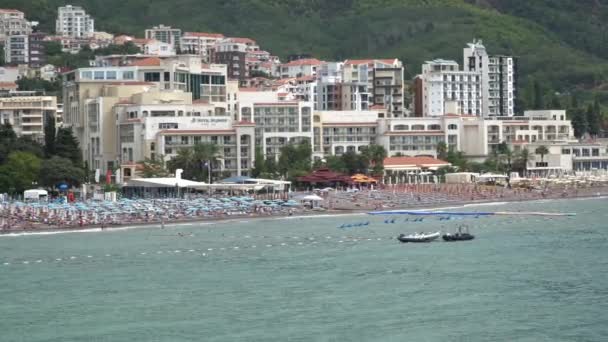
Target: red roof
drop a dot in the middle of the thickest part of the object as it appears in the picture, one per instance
(197, 131)
(141, 40)
(204, 34)
(136, 83)
(324, 175)
(7, 85)
(417, 161)
(150, 61)
(368, 61)
(249, 89)
(242, 40)
(306, 61)
(377, 107)
(306, 78)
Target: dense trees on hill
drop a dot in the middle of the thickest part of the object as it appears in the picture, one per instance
(560, 42)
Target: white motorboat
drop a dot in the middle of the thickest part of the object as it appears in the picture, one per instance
(419, 237)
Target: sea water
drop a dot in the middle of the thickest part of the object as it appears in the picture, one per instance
(305, 279)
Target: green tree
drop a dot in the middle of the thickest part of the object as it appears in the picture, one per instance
(594, 121)
(196, 161)
(539, 102)
(335, 164)
(542, 150)
(294, 158)
(20, 172)
(442, 151)
(66, 146)
(154, 167)
(521, 161)
(355, 163)
(579, 121)
(57, 170)
(49, 136)
(270, 167)
(258, 164)
(375, 155)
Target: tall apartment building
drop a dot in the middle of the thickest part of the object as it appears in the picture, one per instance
(73, 21)
(384, 80)
(27, 112)
(233, 52)
(16, 49)
(13, 22)
(165, 34)
(25, 49)
(444, 89)
(498, 77)
(200, 43)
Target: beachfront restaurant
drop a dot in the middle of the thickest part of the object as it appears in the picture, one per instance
(412, 170)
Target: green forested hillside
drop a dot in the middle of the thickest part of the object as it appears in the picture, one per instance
(561, 43)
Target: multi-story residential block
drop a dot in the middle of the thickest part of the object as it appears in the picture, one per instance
(442, 88)
(233, 52)
(154, 123)
(338, 132)
(200, 43)
(384, 80)
(165, 34)
(13, 23)
(73, 21)
(25, 49)
(206, 83)
(16, 49)
(498, 77)
(277, 122)
(300, 68)
(27, 112)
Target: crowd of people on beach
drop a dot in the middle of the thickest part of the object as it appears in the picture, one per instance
(15, 215)
(103, 214)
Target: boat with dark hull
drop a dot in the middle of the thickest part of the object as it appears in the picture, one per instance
(459, 236)
(418, 237)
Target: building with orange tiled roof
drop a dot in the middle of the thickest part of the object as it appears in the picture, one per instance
(200, 43)
(13, 22)
(165, 34)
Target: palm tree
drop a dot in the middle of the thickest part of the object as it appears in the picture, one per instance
(375, 154)
(542, 150)
(192, 160)
(154, 167)
(522, 159)
(442, 151)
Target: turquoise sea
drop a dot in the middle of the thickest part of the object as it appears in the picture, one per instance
(303, 279)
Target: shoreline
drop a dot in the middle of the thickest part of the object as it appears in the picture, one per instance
(308, 214)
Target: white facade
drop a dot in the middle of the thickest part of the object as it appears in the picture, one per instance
(73, 21)
(13, 22)
(27, 113)
(300, 68)
(165, 34)
(447, 90)
(497, 77)
(16, 49)
(158, 48)
(200, 43)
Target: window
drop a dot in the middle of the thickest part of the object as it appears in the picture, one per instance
(86, 75)
(452, 126)
(99, 75)
(128, 75)
(595, 152)
(110, 75)
(167, 125)
(167, 77)
(565, 151)
(152, 77)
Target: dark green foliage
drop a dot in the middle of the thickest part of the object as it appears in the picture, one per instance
(50, 132)
(154, 167)
(562, 43)
(66, 146)
(60, 170)
(20, 172)
(50, 88)
(193, 160)
(295, 160)
(579, 121)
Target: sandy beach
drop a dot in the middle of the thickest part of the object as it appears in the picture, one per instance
(334, 203)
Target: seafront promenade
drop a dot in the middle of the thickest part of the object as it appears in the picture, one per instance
(20, 216)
